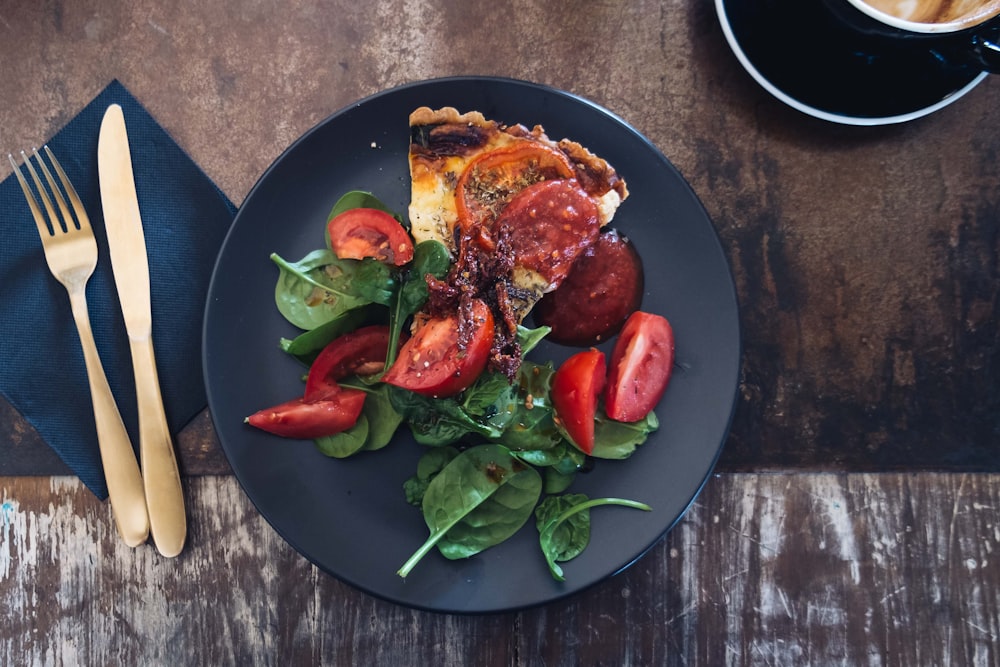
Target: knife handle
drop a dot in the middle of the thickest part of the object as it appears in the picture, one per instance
(121, 470)
(164, 495)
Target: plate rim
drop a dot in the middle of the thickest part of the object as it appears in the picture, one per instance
(733, 401)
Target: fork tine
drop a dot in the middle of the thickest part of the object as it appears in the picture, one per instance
(67, 217)
(43, 229)
(53, 218)
(82, 220)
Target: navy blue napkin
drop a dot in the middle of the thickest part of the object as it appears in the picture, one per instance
(185, 218)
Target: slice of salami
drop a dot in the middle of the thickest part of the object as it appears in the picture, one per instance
(551, 223)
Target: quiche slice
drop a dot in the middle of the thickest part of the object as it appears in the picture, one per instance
(513, 207)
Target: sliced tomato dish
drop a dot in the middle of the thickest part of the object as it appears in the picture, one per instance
(360, 352)
(368, 232)
(576, 387)
(333, 412)
(641, 365)
(434, 362)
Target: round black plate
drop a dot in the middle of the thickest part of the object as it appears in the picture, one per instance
(349, 516)
(833, 75)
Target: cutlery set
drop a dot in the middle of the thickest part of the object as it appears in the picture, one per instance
(150, 501)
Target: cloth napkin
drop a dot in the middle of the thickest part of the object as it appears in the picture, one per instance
(185, 218)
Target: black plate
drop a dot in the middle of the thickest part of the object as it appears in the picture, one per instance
(349, 516)
(794, 50)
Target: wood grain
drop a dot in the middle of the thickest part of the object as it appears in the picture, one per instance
(766, 569)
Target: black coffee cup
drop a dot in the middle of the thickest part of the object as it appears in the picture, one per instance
(865, 62)
(962, 32)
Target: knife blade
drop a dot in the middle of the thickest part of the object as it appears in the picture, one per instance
(127, 243)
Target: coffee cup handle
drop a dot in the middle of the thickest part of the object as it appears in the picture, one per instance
(986, 51)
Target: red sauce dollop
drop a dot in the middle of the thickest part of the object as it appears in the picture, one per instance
(603, 288)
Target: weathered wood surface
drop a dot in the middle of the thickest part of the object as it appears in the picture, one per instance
(766, 569)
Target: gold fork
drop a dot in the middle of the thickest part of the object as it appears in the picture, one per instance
(71, 254)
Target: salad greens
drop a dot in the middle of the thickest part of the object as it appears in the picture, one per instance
(479, 499)
(564, 526)
(493, 451)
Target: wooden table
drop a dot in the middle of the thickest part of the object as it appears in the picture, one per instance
(855, 514)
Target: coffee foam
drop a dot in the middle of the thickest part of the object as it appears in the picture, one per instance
(938, 12)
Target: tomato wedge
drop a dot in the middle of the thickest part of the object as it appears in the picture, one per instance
(360, 352)
(641, 364)
(576, 386)
(336, 411)
(431, 363)
(504, 171)
(358, 233)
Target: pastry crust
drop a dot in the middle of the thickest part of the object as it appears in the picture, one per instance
(444, 141)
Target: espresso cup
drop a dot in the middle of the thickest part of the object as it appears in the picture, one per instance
(865, 61)
(962, 31)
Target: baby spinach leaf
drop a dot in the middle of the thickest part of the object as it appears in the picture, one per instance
(320, 287)
(346, 443)
(373, 280)
(618, 440)
(531, 426)
(383, 420)
(308, 344)
(540, 458)
(529, 338)
(445, 421)
(435, 423)
(560, 464)
(556, 481)
(430, 464)
(482, 497)
(490, 401)
(563, 524)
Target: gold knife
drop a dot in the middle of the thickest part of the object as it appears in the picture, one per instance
(164, 496)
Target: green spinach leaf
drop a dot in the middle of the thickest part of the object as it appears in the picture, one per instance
(444, 421)
(430, 464)
(320, 287)
(344, 444)
(531, 426)
(563, 524)
(529, 338)
(482, 497)
(307, 345)
(383, 420)
(618, 440)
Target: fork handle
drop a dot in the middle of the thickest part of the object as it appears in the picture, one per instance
(121, 470)
(164, 495)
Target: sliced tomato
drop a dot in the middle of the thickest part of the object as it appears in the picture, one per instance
(360, 352)
(358, 233)
(576, 386)
(432, 363)
(336, 411)
(641, 364)
(489, 182)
